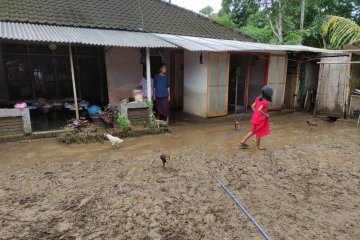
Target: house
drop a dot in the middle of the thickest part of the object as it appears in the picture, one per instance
(67, 51)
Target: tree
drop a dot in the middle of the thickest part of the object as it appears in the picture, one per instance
(281, 18)
(302, 14)
(221, 17)
(240, 10)
(207, 11)
(283, 21)
(316, 12)
(340, 31)
(258, 27)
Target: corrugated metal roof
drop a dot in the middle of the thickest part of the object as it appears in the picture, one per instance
(115, 38)
(46, 33)
(220, 45)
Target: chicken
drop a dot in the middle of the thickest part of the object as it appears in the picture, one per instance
(161, 123)
(165, 158)
(311, 123)
(237, 124)
(114, 140)
(331, 119)
(106, 120)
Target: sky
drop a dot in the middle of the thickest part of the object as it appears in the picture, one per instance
(196, 5)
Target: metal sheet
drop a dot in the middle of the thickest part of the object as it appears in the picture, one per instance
(221, 45)
(100, 37)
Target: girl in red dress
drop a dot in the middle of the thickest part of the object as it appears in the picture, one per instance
(260, 120)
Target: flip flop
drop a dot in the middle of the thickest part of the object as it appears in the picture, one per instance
(244, 145)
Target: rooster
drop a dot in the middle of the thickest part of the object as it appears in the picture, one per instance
(165, 158)
(114, 140)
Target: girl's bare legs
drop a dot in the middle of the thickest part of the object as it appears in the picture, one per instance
(249, 135)
(258, 144)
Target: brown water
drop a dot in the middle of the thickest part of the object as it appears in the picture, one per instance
(304, 186)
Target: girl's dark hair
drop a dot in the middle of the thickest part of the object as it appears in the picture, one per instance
(266, 93)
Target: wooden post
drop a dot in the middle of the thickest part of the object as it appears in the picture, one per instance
(73, 82)
(236, 93)
(148, 73)
(347, 90)
(321, 70)
(3, 83)
(247, 82)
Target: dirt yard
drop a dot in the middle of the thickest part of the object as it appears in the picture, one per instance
(306, 185)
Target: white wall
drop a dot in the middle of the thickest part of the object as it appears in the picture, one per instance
(195, 83)
(123, 70)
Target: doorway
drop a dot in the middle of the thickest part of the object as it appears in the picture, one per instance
(248, 74)
(177, 79)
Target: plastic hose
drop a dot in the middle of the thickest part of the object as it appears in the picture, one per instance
(242, 208)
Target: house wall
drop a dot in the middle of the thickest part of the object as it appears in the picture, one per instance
(123, 70)
(195, 83)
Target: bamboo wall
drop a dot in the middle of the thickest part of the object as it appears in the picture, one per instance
(333, 86)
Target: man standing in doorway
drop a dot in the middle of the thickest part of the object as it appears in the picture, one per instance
(162, 93)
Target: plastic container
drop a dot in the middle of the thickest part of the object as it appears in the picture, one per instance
(92, 110)
(95, 117)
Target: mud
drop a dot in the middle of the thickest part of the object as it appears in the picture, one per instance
(306, 185)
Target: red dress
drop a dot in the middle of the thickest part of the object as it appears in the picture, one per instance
(260, 124)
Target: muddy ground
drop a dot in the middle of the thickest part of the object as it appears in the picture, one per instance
(306, 185)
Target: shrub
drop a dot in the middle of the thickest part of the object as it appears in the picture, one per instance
(124, 122)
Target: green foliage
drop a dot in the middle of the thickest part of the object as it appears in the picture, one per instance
(124, 122)
(296, 37)
(152, 117)
(278, 21)
(80, 137)
(207, 11)
(240, 10)
(258, 28)
(225, 19)
(340, 31)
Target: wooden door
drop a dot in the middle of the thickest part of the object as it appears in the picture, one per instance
(218, 82)
(333, 86)
(178, 94)
(277, 79)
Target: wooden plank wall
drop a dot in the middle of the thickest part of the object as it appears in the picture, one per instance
(331, 97)
(11, 125)
(138, 114)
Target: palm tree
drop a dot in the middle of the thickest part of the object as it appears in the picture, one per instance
(340, 31)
